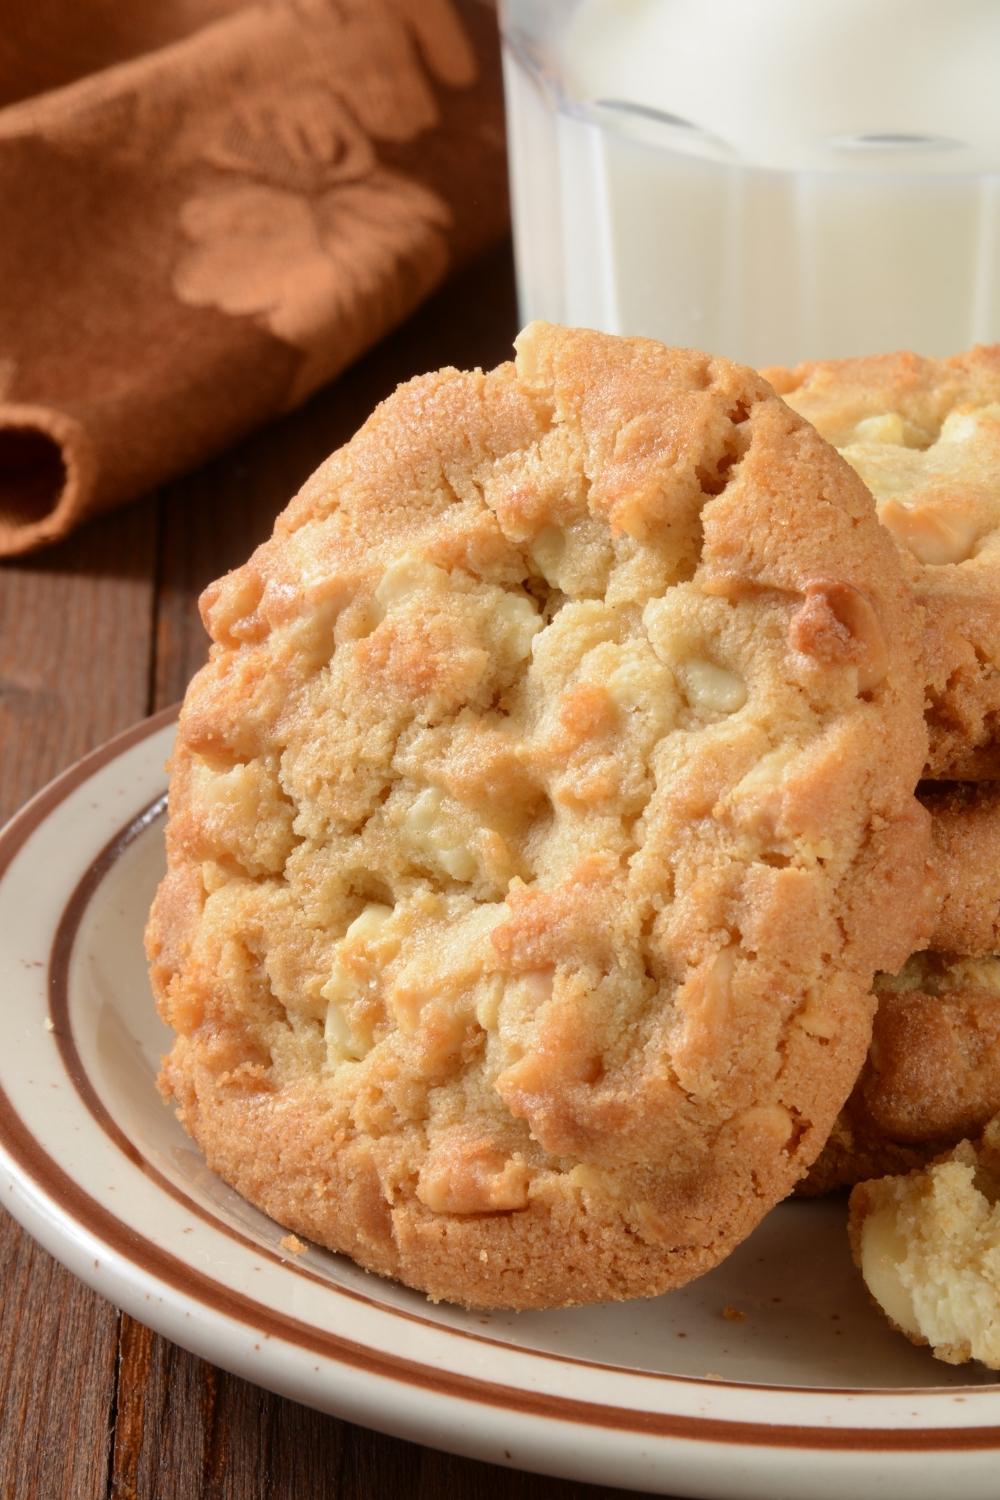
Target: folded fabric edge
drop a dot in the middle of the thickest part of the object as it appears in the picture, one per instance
(47, 476)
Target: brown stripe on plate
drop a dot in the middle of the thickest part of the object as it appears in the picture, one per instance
(166, 1267)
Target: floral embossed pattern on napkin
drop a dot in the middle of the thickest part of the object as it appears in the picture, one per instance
(209, 209)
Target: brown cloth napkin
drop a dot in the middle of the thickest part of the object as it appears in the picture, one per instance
(207, 209)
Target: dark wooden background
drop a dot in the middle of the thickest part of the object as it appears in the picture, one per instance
(95, 634)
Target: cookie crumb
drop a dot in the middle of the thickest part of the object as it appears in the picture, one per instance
(292, 1244)
(484, 1255)
(926, 1245)
(733, 1314)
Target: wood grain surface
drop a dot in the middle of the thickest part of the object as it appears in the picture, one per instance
(94, 634)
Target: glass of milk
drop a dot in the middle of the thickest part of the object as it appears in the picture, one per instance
(773, 180)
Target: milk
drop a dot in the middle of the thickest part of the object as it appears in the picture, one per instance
(773, 180)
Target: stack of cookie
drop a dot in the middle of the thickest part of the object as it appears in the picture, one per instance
(547, 809)
(932, 1076)
(925, 437)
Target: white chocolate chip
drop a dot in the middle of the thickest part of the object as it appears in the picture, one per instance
(887, 427)
(769, 771)
(490, 993)
(213, 876)
(340, 1040)
(457, 862)
(643, 683)
(368, 940)
(883, 1255)
(547, 552)
(410, 574)
(435, 836)
(712, 689)
(523, 996)
(423, 815)
(368, 927)
(935, 535)
(520, 623)
(244, 814)
(960, 427)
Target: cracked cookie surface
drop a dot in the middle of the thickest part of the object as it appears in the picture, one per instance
(538, 823)
(924, 434)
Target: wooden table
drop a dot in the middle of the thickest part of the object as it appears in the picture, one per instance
(94, 634)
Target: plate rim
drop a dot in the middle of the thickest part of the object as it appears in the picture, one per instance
(19, 1148)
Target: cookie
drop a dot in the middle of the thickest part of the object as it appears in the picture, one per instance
(537, 825)
(932, 1075)
(966, 859)
(928, 1247)
(924, 434)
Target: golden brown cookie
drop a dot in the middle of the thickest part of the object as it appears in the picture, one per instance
(932, 1074)
(538, 823)
(966, 859)
(924, 434)
(928, 1247)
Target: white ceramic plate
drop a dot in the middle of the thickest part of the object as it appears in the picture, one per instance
(803, 1393)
